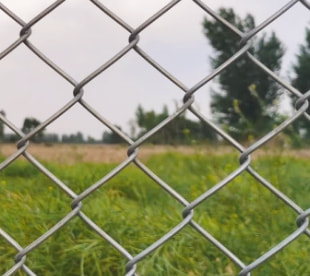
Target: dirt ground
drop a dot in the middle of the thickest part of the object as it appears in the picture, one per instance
(71, 153)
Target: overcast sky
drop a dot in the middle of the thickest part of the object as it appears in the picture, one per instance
(79, 38)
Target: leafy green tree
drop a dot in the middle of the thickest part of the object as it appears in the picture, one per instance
(179, 131)
(146, 120)
(29, 125)
(110, 137)
(246, 100)
(301, 81)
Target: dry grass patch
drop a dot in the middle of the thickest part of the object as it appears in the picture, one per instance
(73, 153)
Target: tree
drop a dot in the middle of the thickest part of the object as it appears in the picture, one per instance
(50, 138)
(29, 125)
(147, 120)
(301, 81)
(77, 138)
(179, 131)
(110, 137)
(246, 103)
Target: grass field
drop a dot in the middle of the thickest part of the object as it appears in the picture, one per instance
(135, 211)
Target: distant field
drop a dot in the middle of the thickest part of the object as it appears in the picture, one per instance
(72, 153)
(135, 211)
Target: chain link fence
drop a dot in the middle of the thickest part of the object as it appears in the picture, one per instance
(134, 34)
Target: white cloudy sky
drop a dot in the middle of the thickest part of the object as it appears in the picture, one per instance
(79, 38)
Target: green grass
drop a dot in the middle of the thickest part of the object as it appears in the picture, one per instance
(135, 211)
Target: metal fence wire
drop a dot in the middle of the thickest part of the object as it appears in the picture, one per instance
(134, 34)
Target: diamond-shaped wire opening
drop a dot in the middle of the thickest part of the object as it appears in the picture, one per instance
(77, 45)
(188, 253)
(228, 215)
(17, 180)
(177, 33)
(28, 215)
(27, 11)
(111, 86)
(77, 247)
(287, 172)
(199, 171)
(291, 45)
(29, 87)
(257, 126)
(78, 121)
(282, 26)
(130, 197)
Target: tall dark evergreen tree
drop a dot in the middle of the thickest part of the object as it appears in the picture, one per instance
(246, 100)
(301, 81)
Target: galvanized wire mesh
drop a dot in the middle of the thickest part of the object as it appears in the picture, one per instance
(133, 146)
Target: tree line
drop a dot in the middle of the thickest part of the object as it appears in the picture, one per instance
(245, 103)
(179, 131)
